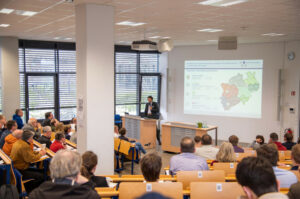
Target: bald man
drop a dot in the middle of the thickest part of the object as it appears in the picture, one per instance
(10, 140)
(33, 126)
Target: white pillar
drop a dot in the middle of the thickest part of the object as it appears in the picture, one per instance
(95, 82)
(9, 64)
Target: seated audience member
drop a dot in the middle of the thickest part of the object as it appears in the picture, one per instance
(257, 179)
(74, 137)
(274, 139)
(33, 126)
(187, 160)
(288, 138)
(234, 140)
(225, 153)
(73, 123)
(46, 137)
(138, 145)
(11, 127)
(197, 140)
(270, 152)
(88, 168)
(152, 195)
(18, 118)
(207, 151)
(10, 140)
(67, 130)
(66, 183)
(48, 117)
(2, 124)
(22, 156)
(294, 192)
(260, 140)
(116, 131)
(59, 142)
(60, 127)
(151, 166)
(54, 123)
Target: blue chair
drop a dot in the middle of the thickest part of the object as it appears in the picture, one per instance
(118, 121)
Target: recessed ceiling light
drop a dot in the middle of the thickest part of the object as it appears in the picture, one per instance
(212, 40)
(272, 34)
(209, 2)
(56, 38)
(233, 3)
(154, 37)
(130, 23)
(6, 11)
(4, 25)
(210, 30)
(25, 13)
(68, 38)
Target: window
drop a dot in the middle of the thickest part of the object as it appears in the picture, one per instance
(47, 79)
(136, 77)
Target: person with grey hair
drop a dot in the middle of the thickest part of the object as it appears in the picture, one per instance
(67, 182)
(33, 126)
(22, 156)
(46, 137)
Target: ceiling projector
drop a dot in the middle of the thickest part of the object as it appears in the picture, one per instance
(144, 45)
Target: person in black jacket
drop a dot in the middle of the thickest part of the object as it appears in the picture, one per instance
(67, 182)
(288, 138)
(48, 117)
(88, 168)
(46, 137)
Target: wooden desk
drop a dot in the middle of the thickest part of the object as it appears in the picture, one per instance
(141, 129)
(48, 151)
(71, 144)
(173, 132)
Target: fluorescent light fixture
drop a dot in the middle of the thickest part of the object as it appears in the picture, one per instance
(56, 38)
(209, 2)
(154, 37)
(272, 34)
(25, 13)
(233, 3)
(212, 40)
(4, 25)
(166, 37)
(68, 38)
(210, 30)
(6, 11)
(130, 23)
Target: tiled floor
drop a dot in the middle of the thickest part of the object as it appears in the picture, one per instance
(165, 159)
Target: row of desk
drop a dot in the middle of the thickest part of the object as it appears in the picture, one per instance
(144, 130)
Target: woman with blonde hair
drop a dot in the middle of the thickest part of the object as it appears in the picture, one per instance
(225, 154)
(88, 168)
(59, 127)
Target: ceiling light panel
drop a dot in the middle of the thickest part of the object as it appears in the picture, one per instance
(4, 25)
(210, 30)
(130, 23)
(6, 11)
(272, 34)
(25, 13)
(221, 3)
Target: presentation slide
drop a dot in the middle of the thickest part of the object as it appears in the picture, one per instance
(223, 87)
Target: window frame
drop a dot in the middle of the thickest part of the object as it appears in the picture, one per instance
(127, 49)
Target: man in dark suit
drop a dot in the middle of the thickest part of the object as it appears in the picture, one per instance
(152, 111)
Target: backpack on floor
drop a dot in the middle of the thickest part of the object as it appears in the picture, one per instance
(8, 191)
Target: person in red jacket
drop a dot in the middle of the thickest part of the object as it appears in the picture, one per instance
(59, 142)
(274, 139)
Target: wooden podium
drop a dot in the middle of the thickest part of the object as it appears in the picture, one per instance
(173, 132)
(141, 129)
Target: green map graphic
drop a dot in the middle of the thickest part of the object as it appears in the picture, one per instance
(238, 90)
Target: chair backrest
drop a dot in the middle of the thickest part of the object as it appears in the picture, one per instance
(240, 156)
(228, 167)
(186, 177)
(281, 155)
(216, 190)
(117, 142)
(125, 147)
(288, 155)
(132, 190)
(117, 117)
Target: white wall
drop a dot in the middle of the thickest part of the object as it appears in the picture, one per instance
(273, 55)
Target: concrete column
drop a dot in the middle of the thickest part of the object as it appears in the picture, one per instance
(9, 65)
(95, 82)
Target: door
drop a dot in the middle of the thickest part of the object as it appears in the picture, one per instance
(40, 96)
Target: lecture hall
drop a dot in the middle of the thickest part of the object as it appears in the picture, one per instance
(150, 99)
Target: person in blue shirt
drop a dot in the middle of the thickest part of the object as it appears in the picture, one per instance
(18, 118)
(11, 127)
